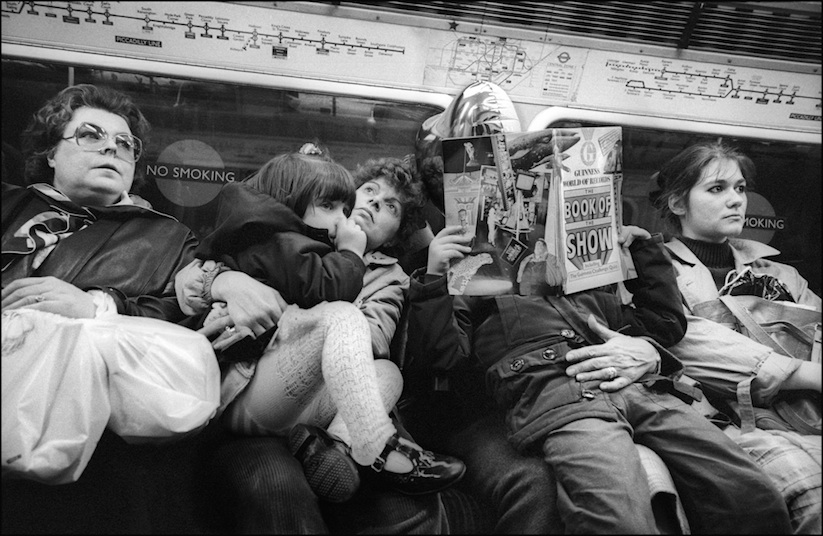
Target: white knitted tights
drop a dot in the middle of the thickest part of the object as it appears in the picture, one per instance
(319, 367)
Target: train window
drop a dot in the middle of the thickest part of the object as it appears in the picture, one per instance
(207, 133)
(783, 208)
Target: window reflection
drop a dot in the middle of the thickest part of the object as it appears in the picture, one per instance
(207, 133)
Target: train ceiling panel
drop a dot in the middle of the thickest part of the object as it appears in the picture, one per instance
(769, 30)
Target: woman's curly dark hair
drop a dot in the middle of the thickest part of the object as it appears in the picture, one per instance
(400, 174)
(45, 130)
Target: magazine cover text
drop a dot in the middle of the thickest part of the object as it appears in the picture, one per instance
(542, 208)
(591, 177)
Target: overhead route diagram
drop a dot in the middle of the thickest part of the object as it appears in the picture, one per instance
(720, 86)
(704, 91)
(497, 61)
(219, 32)
(523, 68)
(552, 74)
(216, 33)
(259, 39)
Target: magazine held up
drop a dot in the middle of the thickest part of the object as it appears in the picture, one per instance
(544, 209)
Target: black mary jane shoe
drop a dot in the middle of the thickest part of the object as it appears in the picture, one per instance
(430, 472)
(327, 464)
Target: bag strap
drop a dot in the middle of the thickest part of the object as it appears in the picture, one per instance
(800, 335)
(744, 395)
(745, 406)
(794, 415)
(684, 391)
(755, 331)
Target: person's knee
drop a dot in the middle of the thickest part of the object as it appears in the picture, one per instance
(337, 308)
(387, 371)
(530, 474)
(389, 381)
(338, 314)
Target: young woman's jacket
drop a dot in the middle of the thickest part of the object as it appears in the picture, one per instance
(708, 344)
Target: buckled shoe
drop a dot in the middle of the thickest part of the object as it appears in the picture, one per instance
(327, 463)
(430, 472)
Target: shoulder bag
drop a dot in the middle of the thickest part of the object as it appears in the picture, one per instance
(787, 328)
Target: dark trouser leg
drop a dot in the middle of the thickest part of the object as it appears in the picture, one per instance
(521, 488)
(380, 511)
(603, 488)
(721, 488)
(265, 485)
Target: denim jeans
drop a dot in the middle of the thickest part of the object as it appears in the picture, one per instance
(603, 489)
(792, 461)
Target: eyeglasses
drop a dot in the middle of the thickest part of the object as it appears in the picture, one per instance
(90, 137)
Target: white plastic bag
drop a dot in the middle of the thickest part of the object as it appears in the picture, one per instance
(64, 379)
(164, 379)
(55, 396)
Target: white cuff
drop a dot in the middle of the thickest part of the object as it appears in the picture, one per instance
(103, 303)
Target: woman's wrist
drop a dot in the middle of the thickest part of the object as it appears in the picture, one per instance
(104, 303)
(220, 285)
(209, 277)
(806, 376)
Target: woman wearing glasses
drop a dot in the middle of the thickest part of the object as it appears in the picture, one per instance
(82, 148)
(75, 247)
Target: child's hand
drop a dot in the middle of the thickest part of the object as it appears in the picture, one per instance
(448, 245)
(217, 312)
(630, 233)
(349, 236)
(219, 322)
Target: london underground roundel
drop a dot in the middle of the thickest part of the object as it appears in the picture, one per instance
(189, 173)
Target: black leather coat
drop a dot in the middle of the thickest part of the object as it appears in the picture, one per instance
(131, 252)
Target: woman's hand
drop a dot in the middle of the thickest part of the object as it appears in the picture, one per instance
(250, 303)
(49, 294)
(620, 361)
(449, 244)
(806, 376)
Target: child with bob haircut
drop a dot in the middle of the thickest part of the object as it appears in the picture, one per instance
(291, 226)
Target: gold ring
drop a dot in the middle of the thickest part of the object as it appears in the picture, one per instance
(612, 373)
(230, 329)
(39, 298)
